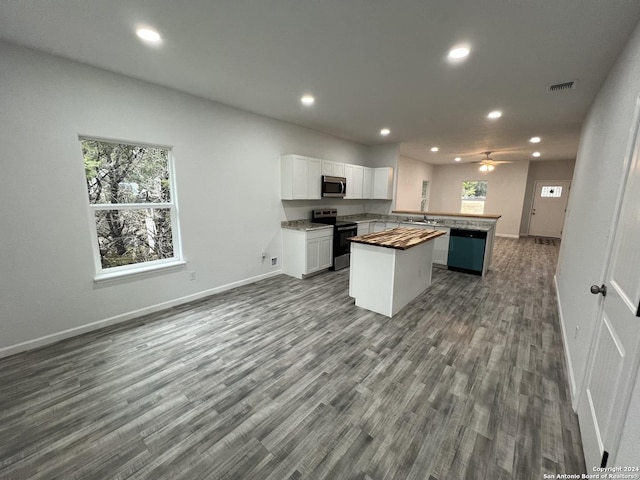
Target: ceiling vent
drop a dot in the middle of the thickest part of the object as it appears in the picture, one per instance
(559, 87)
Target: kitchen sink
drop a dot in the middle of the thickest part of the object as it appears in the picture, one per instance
(422, 222)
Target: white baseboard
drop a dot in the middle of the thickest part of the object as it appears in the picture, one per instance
(507, 235)
(72, 332)
(572, 379)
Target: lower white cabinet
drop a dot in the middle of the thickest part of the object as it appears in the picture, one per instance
(441, 247)
(306, 251)
(363, 228)
(440, 244)
(377, 226)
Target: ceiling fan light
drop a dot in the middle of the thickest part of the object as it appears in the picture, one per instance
(484, 168)
(491, 168)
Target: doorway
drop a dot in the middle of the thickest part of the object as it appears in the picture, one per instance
(548, 208)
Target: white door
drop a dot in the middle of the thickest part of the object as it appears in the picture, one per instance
(549, 207)
(614, 359)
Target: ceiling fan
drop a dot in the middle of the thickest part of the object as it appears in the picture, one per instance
(487, 164)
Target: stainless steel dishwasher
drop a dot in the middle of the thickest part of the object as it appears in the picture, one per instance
(466, 250)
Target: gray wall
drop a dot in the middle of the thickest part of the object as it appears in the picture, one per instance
(227, 181)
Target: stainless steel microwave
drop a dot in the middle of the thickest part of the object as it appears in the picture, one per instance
(334, 186)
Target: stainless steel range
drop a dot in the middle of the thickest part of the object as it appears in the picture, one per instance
(341, 231)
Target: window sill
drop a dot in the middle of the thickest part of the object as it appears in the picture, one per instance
(138, 272)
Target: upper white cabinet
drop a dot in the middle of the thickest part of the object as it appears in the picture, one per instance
(354, 176)
(300, 177)
(333, 169)
(367, 182)
(383, 183)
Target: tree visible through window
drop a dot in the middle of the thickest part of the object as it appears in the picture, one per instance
(130, 194)
(474, 195)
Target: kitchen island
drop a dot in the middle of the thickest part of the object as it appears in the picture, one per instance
(391, 268)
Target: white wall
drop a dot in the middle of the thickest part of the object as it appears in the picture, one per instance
(505, 191)
(589, 223)
(411, 174)
(227, 182)
(543, 171)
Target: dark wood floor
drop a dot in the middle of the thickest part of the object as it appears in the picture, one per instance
(287, 379)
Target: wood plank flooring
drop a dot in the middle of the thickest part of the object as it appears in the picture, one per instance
(287, 379)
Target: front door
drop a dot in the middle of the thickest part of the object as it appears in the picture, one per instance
(549, 207)
(614, 359)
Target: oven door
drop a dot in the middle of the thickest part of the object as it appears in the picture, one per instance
(341, 247)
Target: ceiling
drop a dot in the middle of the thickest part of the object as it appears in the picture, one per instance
(369, 63)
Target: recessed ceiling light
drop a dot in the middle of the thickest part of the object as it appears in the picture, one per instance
(458, 53)
(495, 114)
(434, 149)
(148, 35)
(385, 131)
(535, 154)
(307, 100)
(535, 139)
(457, 159)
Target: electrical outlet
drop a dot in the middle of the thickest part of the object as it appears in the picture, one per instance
(264, 256)
(192, 275)
(274, 261)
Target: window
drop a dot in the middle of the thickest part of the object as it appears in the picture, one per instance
(473, 197)
(552, 191)
(133, 205)
(424, 199)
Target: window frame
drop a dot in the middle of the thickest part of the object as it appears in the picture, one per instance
(141, 268)
(484, 202)
(424, 199)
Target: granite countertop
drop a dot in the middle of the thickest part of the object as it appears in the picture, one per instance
(400, 238)
(469, 222)
(304, 225)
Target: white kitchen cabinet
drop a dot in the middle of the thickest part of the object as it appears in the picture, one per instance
(333, 169)
(441, 247)
(440, 244)
(367, 182)
(389, 225)
(306, 251)
(300, 177)
(378, 226)
(353, 174)
(382, 183)
(363, 228)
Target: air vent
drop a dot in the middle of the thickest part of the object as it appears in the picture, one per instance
(559, 87)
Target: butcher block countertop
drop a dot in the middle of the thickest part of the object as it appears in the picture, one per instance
(401, 238)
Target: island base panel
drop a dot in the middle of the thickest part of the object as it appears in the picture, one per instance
(384, 280)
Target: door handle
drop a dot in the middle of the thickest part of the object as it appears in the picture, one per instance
(595, 289)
